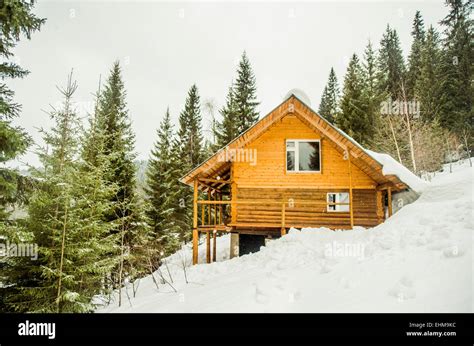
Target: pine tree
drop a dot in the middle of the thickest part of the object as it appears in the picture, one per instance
(353, 117)
(240, 111)
(190, 130)
(457, 70)
(429, 85)
(208, 149)
(391, 65)
(162, 175)
(113, 128)
(414, 59)
(328, 107)
(245, 95)
(93, 141)
(16, 20)
(227, 129)
(188, 152)
(118, 136)
(66, 220)
(370, 94)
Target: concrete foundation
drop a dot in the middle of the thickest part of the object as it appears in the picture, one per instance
(234, 245)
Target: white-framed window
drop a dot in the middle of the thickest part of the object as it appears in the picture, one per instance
(338, 197)
(303, 155)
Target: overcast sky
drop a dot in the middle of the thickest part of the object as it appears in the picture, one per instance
(165, 47)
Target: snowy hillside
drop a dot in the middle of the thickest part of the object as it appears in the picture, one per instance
(420, 260)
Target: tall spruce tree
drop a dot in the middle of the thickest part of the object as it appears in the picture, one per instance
(328, 107)
(119, 139)
(391, 65)
(188, 149)
(112, 126)
(458, 67)
(162, 174)
(66, 221)
(227, 129)
(190, 130)
(414, 59)
(353, 117)
(93, 138)
(208, 148)
(245, 95)
(429, 87)
(370, 94)
(16, 21)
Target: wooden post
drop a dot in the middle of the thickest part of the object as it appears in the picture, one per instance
(351, 210)
(380, 213)
(283, 212)
(221, 214)
(234, 197)
(209, 210)
(389, 201)
(215, 208)
(214, 244)
(195, 223)
(208, 247)
(203, 214)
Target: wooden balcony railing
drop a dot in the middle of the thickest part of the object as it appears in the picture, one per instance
(214, 215)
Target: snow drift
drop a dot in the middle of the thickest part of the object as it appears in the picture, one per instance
(419, 260)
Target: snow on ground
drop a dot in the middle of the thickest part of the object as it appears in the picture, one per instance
(420, 260)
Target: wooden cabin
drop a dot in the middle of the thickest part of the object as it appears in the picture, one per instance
(291, 169)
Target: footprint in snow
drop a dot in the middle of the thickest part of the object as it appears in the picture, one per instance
(424, 221)
(422, 240)
(454, 251)
(385, 243)
(282, 266)
(325, 268)
(439, 245)
(346, 283)
(260, 296)
(294, 296)
(406, 281)
(404, 289)
(441, 231)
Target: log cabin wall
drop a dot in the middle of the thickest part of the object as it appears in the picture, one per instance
(269, 169)
(267, 179)
(299, 214)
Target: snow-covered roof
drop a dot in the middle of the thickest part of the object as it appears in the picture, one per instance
(392, 166)
(299, 94)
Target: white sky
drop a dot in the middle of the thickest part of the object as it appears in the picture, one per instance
(165, 47)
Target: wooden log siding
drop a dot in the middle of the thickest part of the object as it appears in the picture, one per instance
(270, 167)
(298, 213)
